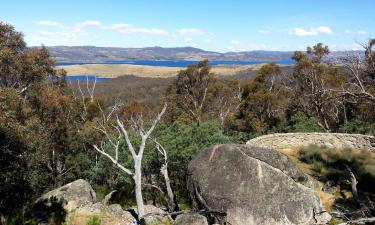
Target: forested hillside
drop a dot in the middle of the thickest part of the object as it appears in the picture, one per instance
(137, 135)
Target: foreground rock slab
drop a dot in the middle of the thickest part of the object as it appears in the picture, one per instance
(253, 186)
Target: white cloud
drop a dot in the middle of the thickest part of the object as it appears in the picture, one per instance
(361, 32)
(126, 29)
(264, 31)
(89, 23)
(208, 40)
(235, 42)
(312, 31)
(191, 31)
(49, 23)
(188, 39)
(65, 36)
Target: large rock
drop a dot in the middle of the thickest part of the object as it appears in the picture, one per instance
(78, 200)
(108, 215)
(330, 140)
(191, 219)
(253, 186)
(75, 194)
(156, 216)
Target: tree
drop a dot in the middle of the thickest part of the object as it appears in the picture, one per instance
(171, 200)
(361, 70)
(122, 133)
(264, 100)
(21, 67)
(314, 83)
(192, 89)
(225, 99)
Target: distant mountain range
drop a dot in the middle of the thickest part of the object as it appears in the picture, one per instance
(105, 54)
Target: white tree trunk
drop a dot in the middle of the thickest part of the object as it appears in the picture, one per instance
(171, 200)
(138, 186)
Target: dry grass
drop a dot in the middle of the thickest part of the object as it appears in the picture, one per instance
(327, 198)
(111, 71)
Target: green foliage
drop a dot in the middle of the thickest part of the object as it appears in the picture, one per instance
(94, 220)
(331, 164)
(358, 126)
(46, 139)
(183, 141)
(264, 101)
(299, 122)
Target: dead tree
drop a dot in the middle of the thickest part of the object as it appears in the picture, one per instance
(359, 81)
(90, 92)
(136, 171)
(353, 184)
(171, 201)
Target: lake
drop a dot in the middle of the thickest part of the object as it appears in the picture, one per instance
(174, 63)
(83, 78)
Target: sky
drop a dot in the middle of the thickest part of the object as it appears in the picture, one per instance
(216, 25)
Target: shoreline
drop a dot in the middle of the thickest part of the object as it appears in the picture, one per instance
(117, 70)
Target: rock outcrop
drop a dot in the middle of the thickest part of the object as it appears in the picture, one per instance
(80, 203)
(253, 186)
(108, 215)
(155, 216)
(190, 219)
(331, 140)
(76, 194)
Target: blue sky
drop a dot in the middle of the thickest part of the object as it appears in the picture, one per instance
(211, 25)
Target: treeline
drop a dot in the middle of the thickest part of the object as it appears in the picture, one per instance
(50, 131)
(315, 96)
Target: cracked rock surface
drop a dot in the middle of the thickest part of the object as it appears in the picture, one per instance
(251, 185)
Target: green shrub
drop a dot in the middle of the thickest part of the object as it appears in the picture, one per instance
(94, 220)
(357, 126)
(331, 164)
(299, 122)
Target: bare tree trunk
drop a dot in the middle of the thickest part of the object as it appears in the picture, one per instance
(137, 156)
(138, 187)
(171, 199)
(354, 183)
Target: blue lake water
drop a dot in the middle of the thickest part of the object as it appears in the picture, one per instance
(175, 63)
(88, 77)
(84, 78)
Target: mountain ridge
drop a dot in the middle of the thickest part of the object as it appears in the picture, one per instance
(103, 54)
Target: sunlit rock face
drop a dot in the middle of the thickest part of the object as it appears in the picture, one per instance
(253, 186)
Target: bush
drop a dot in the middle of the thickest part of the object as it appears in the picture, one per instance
(330, 164)
(357, 126)
(299, 122)
(94, 220)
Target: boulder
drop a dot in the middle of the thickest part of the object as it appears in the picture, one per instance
(253, 186)
(155, 216)
(191, 219)
(76, 203)
(108, 215)
(75, 194)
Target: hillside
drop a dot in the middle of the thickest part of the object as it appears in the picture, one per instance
(101, 54)
(104, 54)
